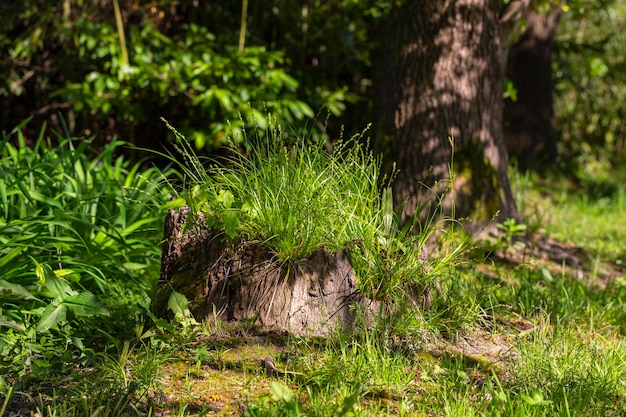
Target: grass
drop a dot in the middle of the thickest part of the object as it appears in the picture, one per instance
(512, 334)
(298, 197)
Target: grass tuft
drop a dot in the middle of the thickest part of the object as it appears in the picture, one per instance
(298, 197)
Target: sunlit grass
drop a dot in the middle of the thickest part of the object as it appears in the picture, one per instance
(296, 197)
(576, 213)
(561, 328)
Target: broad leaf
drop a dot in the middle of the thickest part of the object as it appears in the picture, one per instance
(85, 304)
(13, 253)
(15, 289)
(5, 322)
(280, 392)
(52, 316)
(57, 287)
(178, 304)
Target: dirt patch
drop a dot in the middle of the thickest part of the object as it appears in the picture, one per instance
(488, 351)
(559, 258)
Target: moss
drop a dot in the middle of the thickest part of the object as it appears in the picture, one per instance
(477, 185)
(221, 384)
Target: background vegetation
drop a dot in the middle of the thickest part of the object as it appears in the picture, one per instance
(109, 67)
(114, 67)
(589, 71)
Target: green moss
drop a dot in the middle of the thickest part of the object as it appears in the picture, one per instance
(190, 283)
(477, 184)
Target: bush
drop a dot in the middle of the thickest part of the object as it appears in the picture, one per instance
(79, 251)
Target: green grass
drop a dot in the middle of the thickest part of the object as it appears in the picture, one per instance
(296, 198)
(588, 214)
(596, 223)
(510, 335)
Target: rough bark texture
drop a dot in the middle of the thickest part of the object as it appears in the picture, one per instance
(443, 78)
(529, 124)
(245, 285)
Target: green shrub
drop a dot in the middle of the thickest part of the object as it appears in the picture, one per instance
(79, 235)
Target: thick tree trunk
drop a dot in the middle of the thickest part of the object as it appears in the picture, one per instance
(442, 82)
(245, 286)
(529, 125)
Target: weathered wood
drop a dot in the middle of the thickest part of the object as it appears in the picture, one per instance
(245, 284)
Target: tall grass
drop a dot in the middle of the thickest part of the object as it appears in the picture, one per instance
(298, 197)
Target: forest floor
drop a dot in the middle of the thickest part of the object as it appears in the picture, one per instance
(536, 328)
(523, 328)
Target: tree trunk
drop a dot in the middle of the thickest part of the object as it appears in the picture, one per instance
(529, 125)
(442, 82)
(244, 285)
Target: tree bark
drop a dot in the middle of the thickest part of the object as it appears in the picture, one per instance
(442, 83)
(529, 124)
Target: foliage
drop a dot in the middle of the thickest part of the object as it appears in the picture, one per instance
(590, 85)
(588, 214)
(78, 247)
(115, 70)
(194, 73)
(115, 383)
(182, 61)
(285, 403)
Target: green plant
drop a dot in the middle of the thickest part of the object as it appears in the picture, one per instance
(178, 303)
(295, 196)
(77, 247)
(217, 84)
(114, 65)
(569, 359)
(117, 382)
(510, 230)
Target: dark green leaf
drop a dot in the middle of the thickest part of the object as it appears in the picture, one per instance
(85, 304)
(15, 289)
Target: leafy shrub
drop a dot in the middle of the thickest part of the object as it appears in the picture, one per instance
(115, 73)
(193, 73)
(78, 245)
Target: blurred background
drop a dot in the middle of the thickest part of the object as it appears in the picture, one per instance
(105, 68)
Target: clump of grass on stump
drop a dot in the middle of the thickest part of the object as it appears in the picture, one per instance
(296, 197)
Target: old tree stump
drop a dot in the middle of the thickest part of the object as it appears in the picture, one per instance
(244, 284)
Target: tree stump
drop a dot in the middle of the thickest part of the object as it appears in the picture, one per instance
(245, 284)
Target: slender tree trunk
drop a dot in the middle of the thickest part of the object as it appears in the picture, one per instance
(442, 90)
(529, 125)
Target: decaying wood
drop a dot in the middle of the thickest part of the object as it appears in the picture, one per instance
(245, 284)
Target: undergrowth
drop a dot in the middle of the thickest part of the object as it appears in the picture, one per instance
(79, 232)
(509, 334)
